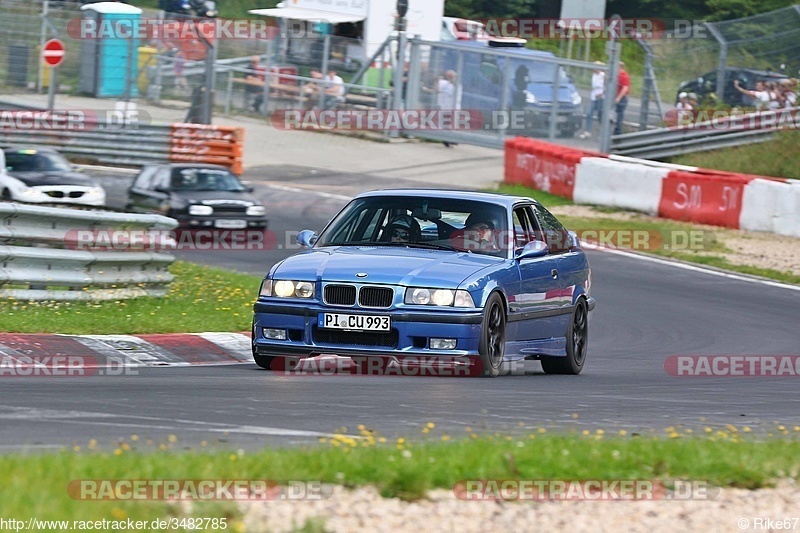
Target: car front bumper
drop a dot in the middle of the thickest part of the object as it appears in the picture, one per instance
(410, 333)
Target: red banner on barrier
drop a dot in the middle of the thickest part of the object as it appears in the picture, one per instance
(543, 166)
(714, 198)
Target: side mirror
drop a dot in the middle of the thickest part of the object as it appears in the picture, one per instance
(249, 188)
(532, 250)
(162, 190)
(306, 238)
(573, 241)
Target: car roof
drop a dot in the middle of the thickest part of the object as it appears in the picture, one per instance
(505, 200)
(758, 72)
(189, 165)
(521, 52)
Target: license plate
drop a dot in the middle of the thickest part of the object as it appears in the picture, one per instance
(230, 224)
(355, 322)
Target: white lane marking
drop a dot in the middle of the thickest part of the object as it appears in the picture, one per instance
(700, 269)
(109, 169)
(235, 344)
(308, 191)
(280, 432)
(29, 413)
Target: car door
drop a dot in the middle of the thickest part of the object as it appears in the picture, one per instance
(569, 262)
(144, 193)
(534, 311)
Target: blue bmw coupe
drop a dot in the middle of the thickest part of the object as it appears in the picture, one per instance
(466, 278)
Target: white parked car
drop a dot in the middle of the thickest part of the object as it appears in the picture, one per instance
(41, 175)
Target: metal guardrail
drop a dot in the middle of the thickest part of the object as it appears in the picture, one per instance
(101, 142)
(49, 253)
(128, 142)
(736, 130)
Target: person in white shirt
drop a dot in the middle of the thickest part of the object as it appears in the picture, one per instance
(789, 96)
(685, 108)
(334, 91)
(760, 96)
(595, 100)
(448, 96)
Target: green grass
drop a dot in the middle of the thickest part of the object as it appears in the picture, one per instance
(776, 158)
(200, 299)
(36, 485)
(659, 231)
(546, 199)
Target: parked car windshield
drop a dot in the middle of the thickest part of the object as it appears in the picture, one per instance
(33, 161)
(419, 222)
(204, 179)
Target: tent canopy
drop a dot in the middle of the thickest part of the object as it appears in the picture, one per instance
(315, 15)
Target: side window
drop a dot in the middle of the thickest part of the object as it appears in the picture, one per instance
(161, 179)
(145, 178)
(524, 227)
(553, 233)
(491, 71)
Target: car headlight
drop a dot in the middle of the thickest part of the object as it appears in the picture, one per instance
(256, 211)
(201, 210)
(576, 98)
(30, 192)
(291, 289)
(438, 297)
(529, 98)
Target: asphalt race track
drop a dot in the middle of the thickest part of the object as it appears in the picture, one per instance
(647, 311)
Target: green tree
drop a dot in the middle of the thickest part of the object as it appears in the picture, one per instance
(478, 9)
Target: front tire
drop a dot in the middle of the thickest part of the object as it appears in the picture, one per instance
(493, 336)
(577, 344)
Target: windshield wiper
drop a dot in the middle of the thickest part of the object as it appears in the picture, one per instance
(431, 245)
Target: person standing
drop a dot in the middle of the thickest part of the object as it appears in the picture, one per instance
(256, 76)
(595, 100)
(623, 88)
(449, 95)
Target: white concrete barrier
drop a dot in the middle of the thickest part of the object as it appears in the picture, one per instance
(602, 181)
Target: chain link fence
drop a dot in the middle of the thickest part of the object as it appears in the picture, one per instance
(704, 58)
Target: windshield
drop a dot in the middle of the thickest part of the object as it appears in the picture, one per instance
(33, 161)
(545, 72)
(204, 179)
(419, 222)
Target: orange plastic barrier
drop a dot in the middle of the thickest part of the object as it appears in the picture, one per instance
(217, 145)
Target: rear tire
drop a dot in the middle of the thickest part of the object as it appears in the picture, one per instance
(493, 336)
(577, 344)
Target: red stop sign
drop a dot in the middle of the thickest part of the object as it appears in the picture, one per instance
(53, 52)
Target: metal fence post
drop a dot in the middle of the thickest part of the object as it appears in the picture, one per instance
(229, 93)
(42, 40)
(551, 134)
(647, 85)
(267, 81)
(610, 96)
(723, 59)
(326, 52)
(504, 107)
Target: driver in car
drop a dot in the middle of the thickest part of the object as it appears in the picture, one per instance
(402, 228)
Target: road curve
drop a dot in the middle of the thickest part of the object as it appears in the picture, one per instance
(646, 312)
